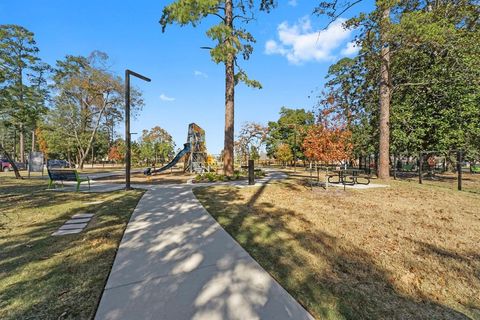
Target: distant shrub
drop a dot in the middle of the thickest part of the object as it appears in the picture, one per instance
(215, 177)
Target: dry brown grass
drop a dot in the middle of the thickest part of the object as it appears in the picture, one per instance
(403, 252)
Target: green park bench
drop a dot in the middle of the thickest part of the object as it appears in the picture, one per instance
(65, 175)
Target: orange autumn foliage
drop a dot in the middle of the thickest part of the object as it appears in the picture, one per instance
(327, 144)
(42, 143)
(114, 154)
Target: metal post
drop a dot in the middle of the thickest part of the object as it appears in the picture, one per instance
(459, 168)
(420, 162)
(326, 178)
(251, 172)
(127, 130)
(311, 177)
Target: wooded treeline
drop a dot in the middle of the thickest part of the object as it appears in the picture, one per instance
(68, 111)
(432, 68)
(413, 86)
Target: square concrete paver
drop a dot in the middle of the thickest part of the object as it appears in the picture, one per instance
(73, 226)
(78, 220)
(65, 232)
(82, 215)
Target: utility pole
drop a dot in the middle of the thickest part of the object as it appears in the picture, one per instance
(128, 135)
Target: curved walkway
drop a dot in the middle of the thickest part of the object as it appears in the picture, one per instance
(176, 262)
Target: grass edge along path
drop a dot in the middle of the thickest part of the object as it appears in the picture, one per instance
(47, 277)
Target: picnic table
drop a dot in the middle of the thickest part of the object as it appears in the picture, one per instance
(349, 177)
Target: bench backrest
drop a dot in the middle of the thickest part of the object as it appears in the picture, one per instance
(62, 175)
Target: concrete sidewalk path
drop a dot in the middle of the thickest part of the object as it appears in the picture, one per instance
(176, 262)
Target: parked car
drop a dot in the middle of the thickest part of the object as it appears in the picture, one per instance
(5, 165)
(55, 163)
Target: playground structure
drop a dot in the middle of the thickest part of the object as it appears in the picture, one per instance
(194, 153)
(196, 158)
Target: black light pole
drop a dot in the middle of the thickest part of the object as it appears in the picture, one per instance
(127, 124)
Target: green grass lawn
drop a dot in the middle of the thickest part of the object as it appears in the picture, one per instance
(408, 251)
(46, 277)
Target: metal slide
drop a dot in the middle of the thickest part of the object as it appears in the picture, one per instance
(186, 149)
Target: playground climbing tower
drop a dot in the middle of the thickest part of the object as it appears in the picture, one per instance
(196, 158)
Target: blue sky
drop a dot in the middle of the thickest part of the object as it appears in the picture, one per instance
(291, 57)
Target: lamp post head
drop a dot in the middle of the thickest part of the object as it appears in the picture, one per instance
(137, 75)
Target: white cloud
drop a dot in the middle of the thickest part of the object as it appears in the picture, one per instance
(200, 74)
(272, 47)
(300, 42)
(292, 3)
(164, 97)
(350, 49)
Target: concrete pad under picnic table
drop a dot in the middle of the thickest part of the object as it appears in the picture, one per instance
(359, 186)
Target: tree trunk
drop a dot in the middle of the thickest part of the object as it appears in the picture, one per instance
(22, 144)
(22, 106)
(384, 143)
(229, 99)
(83, 153)
(81, 159)
(33, 141)
(14, 166)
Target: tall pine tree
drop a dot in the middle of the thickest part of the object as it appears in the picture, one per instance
(23, 83)
(231, 40)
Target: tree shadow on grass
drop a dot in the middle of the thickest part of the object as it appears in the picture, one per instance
(61, 277)
(343, 283)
